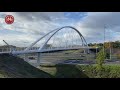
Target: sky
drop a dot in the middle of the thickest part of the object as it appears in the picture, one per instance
(29, 26)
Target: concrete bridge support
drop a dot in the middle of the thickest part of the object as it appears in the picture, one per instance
(25, 57)
(38, 58)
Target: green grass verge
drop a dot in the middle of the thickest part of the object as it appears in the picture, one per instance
(82, 71)
(13, 67)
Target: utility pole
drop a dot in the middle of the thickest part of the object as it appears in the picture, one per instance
(110, 44)
(96, 48)
(104, 41)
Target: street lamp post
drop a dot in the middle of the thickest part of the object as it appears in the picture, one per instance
(96, 49)
(110, 47)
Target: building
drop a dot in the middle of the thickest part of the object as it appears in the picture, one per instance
(7, 48)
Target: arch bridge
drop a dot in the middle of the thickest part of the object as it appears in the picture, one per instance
(53, 42)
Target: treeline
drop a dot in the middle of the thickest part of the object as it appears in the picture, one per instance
(115, 44)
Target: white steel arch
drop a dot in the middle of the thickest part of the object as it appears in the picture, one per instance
(55, 31)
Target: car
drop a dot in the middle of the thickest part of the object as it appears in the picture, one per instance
(82, 56)
(31, 58)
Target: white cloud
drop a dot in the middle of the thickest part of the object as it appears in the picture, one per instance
(31, 24)
(92, 27)
(28, 26)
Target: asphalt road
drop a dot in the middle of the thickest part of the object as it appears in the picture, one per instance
(80, 62)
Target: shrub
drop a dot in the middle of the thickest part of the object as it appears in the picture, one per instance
(101, 55)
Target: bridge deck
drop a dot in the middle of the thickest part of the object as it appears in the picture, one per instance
(44, 50)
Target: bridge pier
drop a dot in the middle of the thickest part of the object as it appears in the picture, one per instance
(84, 51)
(25, 57)
(38, 58)
(88, 51)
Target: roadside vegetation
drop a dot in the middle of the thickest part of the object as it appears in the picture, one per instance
(13, 67)
(82, 71)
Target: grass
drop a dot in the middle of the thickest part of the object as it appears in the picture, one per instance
(82, 71)
(13, 67)
(63, 71)
(108, 71)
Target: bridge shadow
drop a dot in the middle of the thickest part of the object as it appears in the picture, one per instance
(69, 71)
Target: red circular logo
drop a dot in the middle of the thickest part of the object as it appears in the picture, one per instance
(9, 19)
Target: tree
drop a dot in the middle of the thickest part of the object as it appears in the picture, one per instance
(116, 44)
(101, 55)
(107, 45)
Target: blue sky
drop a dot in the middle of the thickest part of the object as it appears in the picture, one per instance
(70, 18)
(29, 26)
(76, 16)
